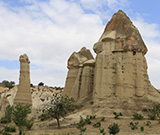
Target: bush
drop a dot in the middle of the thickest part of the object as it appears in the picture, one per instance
(5, 133)
(134, 125)
(88, 120)
(8, 84)
(114, 129)
(10, 129)
(44, 117)
(137, 116)
(29, 124)
(142, 128)
(102, 131)
(117, 115)
(148, 123)
(103, 118)
(41, 84)
(98, 124)
(8, 113)
(154, 112)
(81, 125)
(4, 120)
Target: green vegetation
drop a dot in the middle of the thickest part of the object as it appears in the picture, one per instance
(113, 129)
(20, 113)
(103, 118)
(137, 116)
(98, 124)
(148, 123)
(134, 125)
(88, 120)
(116, 115)
(102, 131)
(80, 125)
(41, 84)
(4, 120)
(154, 112)
(8, 84)
(142, 128)
(10, 129)
(60, 107)
(8, 113)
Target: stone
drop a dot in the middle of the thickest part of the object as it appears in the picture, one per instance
(120, 35)
(119, 71)
(120, 67)
(79, 82)
(23, 95)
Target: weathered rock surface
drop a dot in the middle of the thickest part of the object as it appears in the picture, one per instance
(119, 70)
(120, 35)
(79, 82)
(24, 93)
(41, 97)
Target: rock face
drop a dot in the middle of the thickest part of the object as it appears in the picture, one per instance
(24, 93)
(120, 69)
(79, 82)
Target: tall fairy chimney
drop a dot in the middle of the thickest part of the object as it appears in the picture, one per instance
(23, 95)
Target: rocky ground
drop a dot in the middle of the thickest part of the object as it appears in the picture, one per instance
(42, 95)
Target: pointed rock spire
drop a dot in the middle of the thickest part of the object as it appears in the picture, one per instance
(120, 35)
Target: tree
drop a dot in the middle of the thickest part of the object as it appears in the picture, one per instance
(20, 113)
(60, 106)
(41, 84)
(8, 84)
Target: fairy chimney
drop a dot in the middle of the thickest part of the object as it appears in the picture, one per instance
(23, 95)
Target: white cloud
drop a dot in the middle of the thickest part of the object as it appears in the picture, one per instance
(48, 32)
(150, 34)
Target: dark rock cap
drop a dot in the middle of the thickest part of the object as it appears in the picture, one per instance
(121, 35)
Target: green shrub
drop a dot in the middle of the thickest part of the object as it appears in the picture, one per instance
(4, 120)
(103, 118)
(102, 131)
(29, 124)
(113, 129)
(98, 124)
(80, 125)
(116, 115)
(148, 123)
(8, 113)
(134, 125)
(44, 116)
(5, 133)
(10, 129)
(41, 84)
(154, 112)
(142, 128)
(8, 84)
(137, 116)
(88, 120)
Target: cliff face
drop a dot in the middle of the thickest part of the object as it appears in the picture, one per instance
(79, 82)
(120, 68)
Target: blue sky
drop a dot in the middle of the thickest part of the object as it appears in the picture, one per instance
(50, 30)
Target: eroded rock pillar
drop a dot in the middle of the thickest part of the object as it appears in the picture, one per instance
(23, 95)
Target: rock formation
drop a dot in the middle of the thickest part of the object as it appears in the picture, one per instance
(79, 82)
(120, 68)
(24, 93)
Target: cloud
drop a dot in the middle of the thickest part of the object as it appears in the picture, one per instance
(150, 33)
(48, 32)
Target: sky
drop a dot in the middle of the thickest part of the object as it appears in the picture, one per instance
(49, 31)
